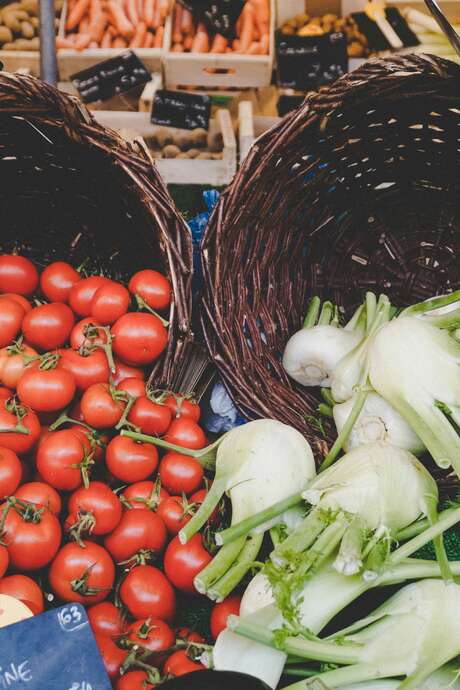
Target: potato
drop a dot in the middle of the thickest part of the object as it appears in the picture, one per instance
(217, 156)
(183, 154)
(35, 22)
(27, 44)
(199, 138)
(204, 155)
(9, 46)
(171, 151)
(30, 6)
(6, 35)
(193, 153)
(215, 142)
(13, 18)
(27, 30)
(163, 137)
(183, 141)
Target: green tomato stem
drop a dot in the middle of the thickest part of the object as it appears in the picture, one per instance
(219, 565)
(232, 578)
(312, 312)
(246, 526)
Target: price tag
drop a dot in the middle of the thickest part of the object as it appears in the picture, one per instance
(219, 16)
(111, 78)
(181, 109)
(53, 651)
(308, 62)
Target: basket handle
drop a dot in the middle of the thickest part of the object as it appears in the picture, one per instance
(445, 24)
(48, 59)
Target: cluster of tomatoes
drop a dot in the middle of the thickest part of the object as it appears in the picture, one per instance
(88, 514)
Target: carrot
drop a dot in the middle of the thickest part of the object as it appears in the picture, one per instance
(138, 39)
(247, 29)
(106, 40)
(156, 15)
(188, 42)
(64, 43)
(158, 42)
(76, 15)
(177, 31)
(178, 48)
(119, 42)
(140, 10)
(219, 44)
(265, 44)
(261, 13)
(82, 41)
(164, 9)
(149, 12)
(131, 11)
(201, 40)
(236, 45)
(83, 27)
(186, 22)
(112, 30)
(254, 48)
(98, 21)
(149, 39)
(122, 23)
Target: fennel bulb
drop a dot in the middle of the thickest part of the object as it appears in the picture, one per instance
(415, 366)
(360, 502)
(377, 421)
(311, 354)
(445, 678)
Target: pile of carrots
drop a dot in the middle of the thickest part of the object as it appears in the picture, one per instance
(114, 24)
(252, 32)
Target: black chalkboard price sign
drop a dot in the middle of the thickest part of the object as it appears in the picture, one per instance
(308, 62)
(220, 16)
(181, 109)
(111, 78)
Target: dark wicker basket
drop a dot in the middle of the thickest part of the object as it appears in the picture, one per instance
(358, 189)
(72, 190)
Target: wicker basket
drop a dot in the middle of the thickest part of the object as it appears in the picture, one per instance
(358, 189)
(71, 189)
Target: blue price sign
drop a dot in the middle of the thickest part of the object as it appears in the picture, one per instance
(53, 651)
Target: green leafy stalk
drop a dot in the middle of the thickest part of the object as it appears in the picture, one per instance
(219, 565)
(244, 562)
(312, 312)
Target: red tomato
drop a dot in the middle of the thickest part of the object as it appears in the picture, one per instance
(48, 326)
(46, 390)
(174, 513)
(11, 320)
(61, 458)
(186, 433)
(40, 494)
(4, 560)
(138, 531)
(189, 635)
(145, 592)
(152, 634)
(153, 287)
(5, 393)
(57, 280)
(130, 461)
(178, 664)
(10, 472)
(85, 574)
(100, 407)
(139, 338)
(25, 589)
(134, 680)
(125, 371)
(82, 293)
(220, 612)
(145, 494)
(182, 562)
(17, 274)
(13, 416)
(31, 537)
(112, 656)
(100, 502)
(20, 299)
(87, 332)
(86, 369)
(183, 407)
(133, 386)
(151, 417)
(13, 363)
(110, 301)
(180, 474)
(106, 619)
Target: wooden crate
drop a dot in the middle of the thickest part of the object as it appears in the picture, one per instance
(240, 71)
(250, 127)
(182, 171)
(14, 60)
